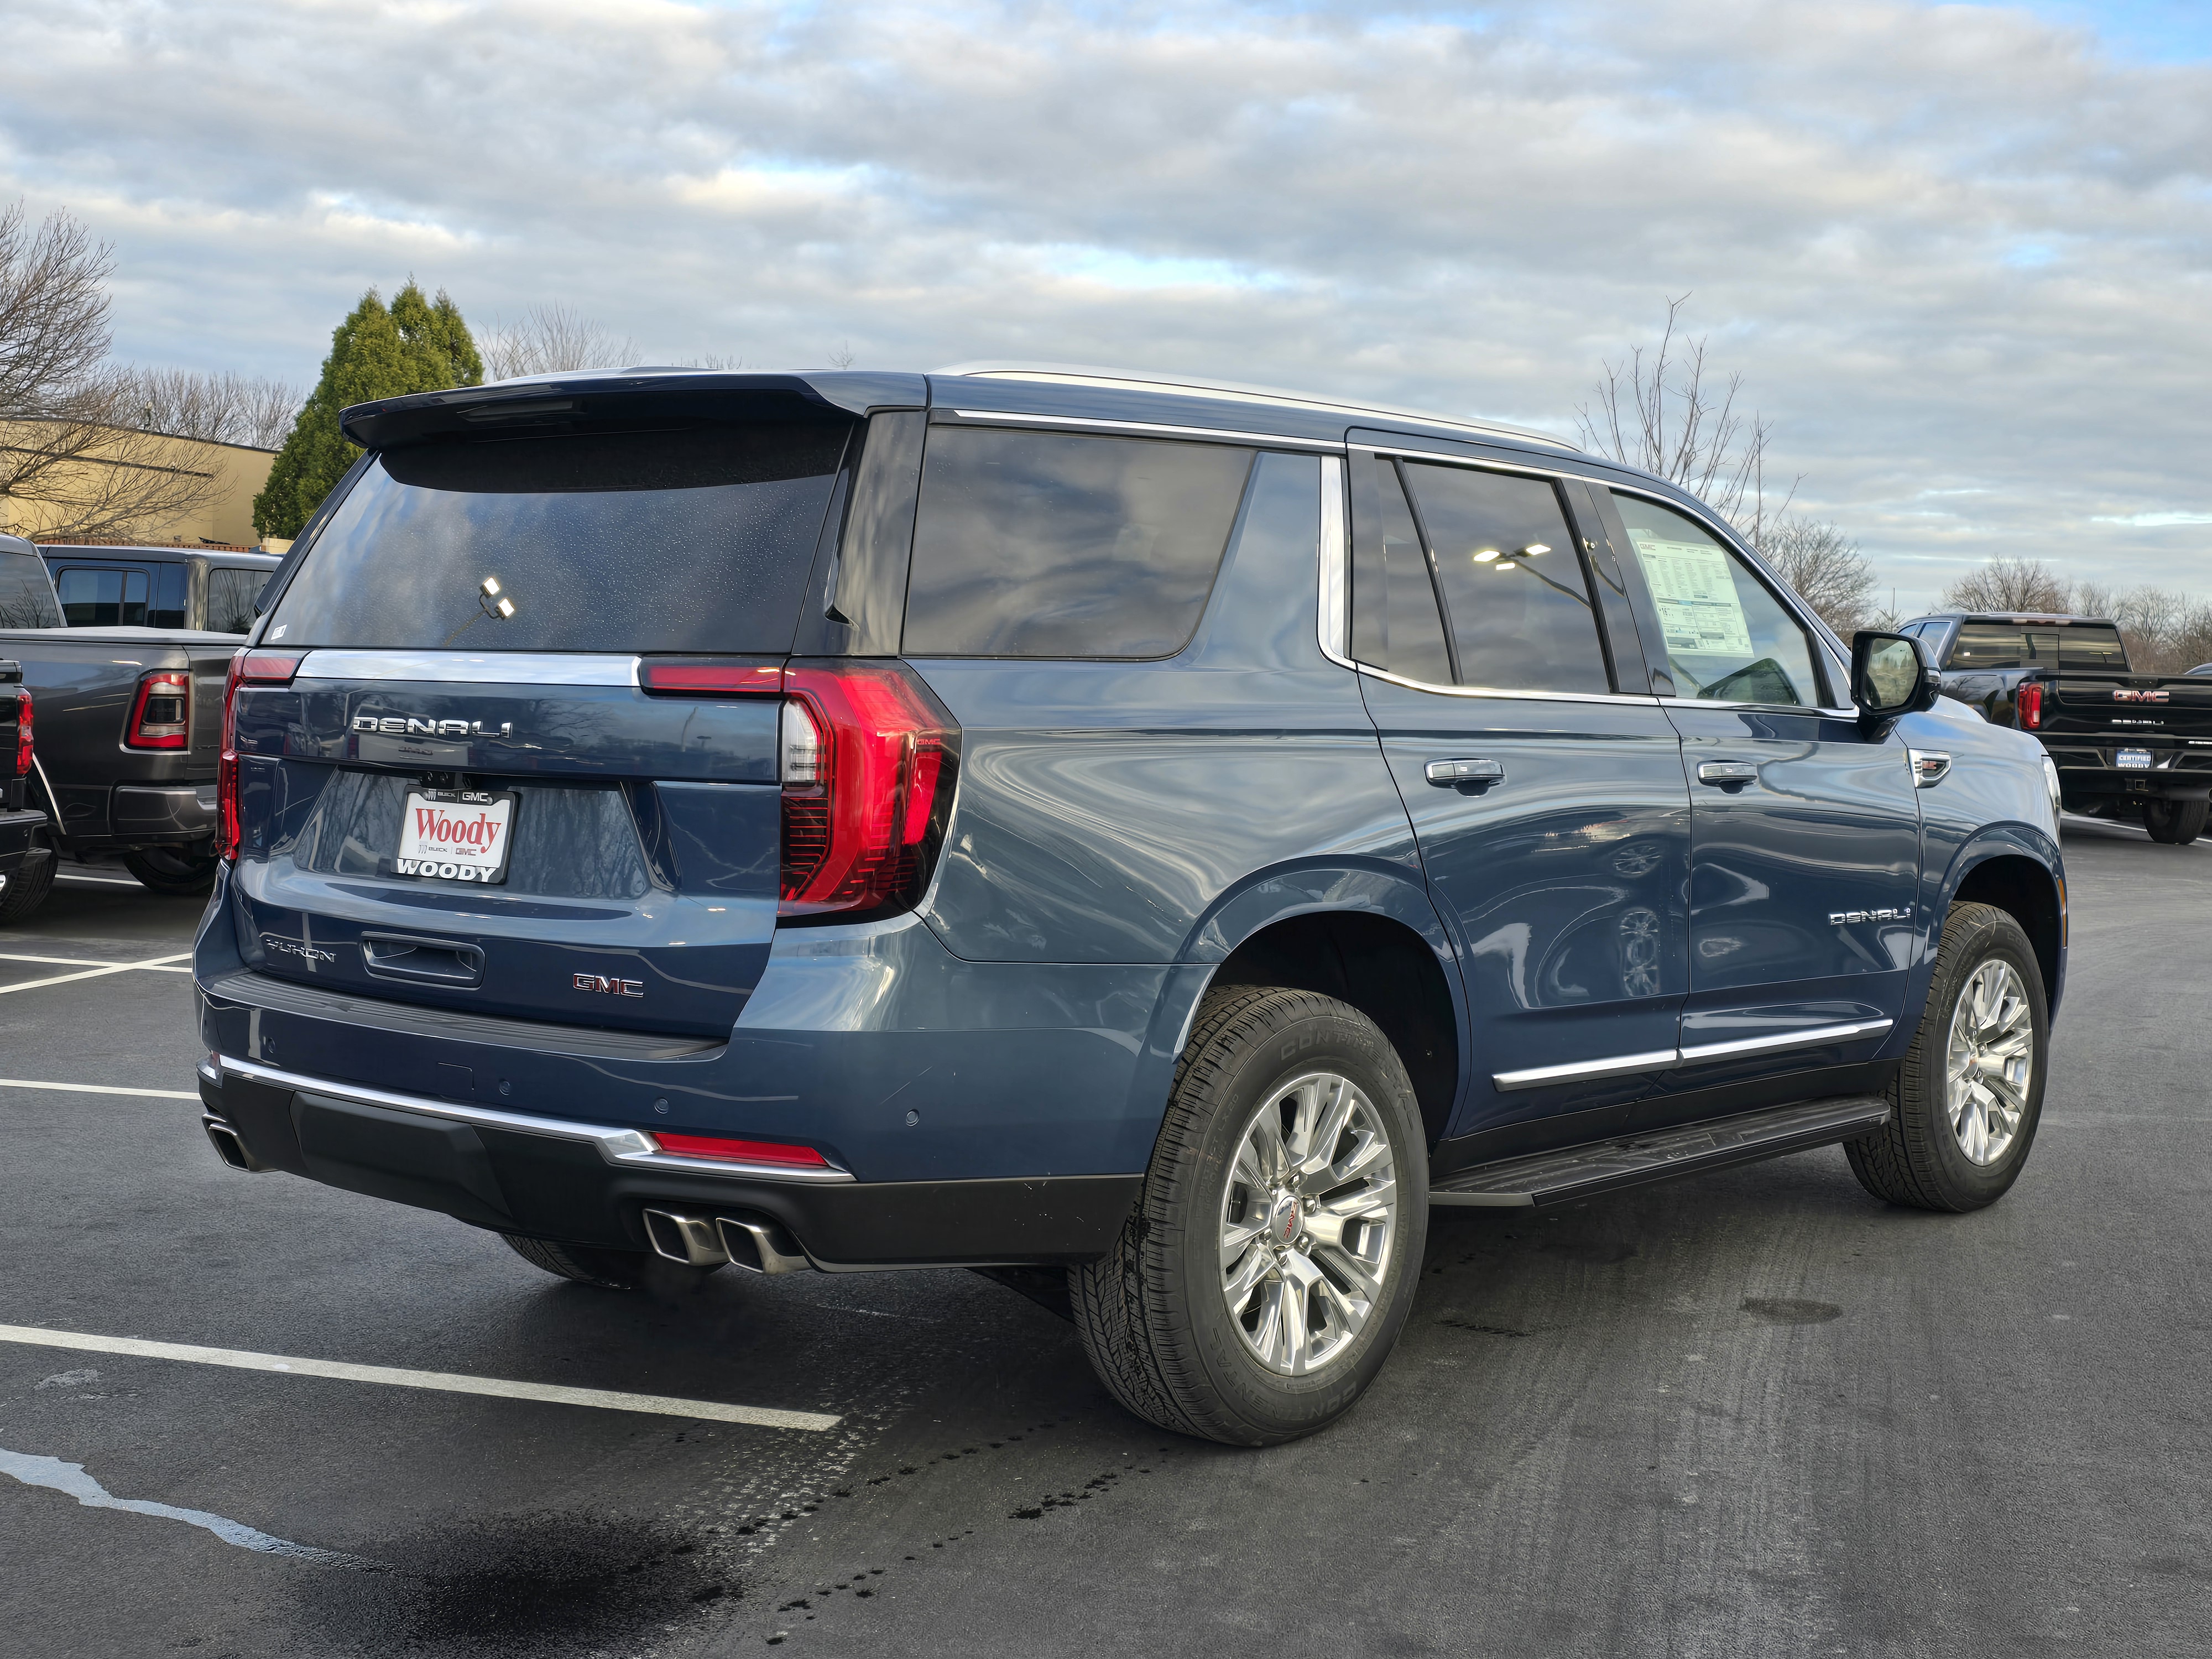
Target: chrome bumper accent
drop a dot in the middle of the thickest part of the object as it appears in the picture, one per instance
(625, 1149)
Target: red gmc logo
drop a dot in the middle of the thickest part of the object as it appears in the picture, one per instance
(610, 988)
(2142, 696)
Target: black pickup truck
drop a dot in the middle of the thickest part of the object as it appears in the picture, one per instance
(2127, 746)
(129, 727)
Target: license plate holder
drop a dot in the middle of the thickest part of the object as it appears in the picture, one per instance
(455, 835)
(2132, 760)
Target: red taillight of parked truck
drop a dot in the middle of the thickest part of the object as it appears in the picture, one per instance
(161, 714)
(2028, 706)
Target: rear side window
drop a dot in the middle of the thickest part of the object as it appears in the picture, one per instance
(1395, 625)
(697, 538)
(230, 597)
(1728, 640)
(26, 596)
(170, 581)
(1514, 592)
(1049, 545)
(96, 597)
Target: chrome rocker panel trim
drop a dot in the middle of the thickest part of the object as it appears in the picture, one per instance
(623, 1149)
(1669, 1059)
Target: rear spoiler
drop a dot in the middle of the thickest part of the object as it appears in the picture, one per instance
(600, 397)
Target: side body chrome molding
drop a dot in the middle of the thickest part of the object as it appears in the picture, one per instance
(1669, 1059)
(625, 1149)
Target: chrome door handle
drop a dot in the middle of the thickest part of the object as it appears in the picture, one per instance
(1449, 774)
(1727, 773)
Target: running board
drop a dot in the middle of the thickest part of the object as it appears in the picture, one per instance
(1600, 1166)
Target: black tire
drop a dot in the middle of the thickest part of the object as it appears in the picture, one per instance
(27, 888)
(171, 872)
(2176, 823)
(1917, 1159)
(1152, 1314)
(607, 1270)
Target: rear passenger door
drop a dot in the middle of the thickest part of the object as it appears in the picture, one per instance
(103, 596)
(1805, 835)
(1543, 783)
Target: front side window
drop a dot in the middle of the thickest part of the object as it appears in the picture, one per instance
(1058, 545)
(1728, 640)
(1514, 592)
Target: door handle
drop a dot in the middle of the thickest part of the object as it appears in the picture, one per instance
(1727, 774)
(1450, 774)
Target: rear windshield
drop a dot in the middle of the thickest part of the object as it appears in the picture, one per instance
(26, 596)
(2026, 644)
(693, 539)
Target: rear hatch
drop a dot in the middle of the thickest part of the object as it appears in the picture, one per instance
(469, 794)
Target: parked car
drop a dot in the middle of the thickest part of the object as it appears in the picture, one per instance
(2127, 746)
(24, 875)
(129, 718)
(210, 591)
(1149, 842)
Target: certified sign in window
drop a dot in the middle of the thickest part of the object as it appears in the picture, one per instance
(1696, 596)
(454, 834)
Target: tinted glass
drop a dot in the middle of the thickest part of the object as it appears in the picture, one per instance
(136, 590)
(2018, 645)
(169, 585)
(230, 597)
(27, 595)
(693, 539)
(1728, 640)
(1395, 625)
(91, 598)
(1043, 545)
(1514, 589)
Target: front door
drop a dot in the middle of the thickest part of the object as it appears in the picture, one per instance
(1805, 829)
(1550, 808)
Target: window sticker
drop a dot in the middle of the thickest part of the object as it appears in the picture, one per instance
(1699, 608)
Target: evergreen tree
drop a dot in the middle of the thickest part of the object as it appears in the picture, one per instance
(414, 345)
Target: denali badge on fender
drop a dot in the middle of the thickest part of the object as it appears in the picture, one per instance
(613, 987)
(1839, 918)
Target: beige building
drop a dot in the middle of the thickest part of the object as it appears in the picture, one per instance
(201, 492)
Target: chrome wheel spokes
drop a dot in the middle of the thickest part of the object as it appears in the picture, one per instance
(1308, 1223)
(1988, 1061)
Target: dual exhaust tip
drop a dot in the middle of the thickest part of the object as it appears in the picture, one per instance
(229, 1145)
(697, 1241)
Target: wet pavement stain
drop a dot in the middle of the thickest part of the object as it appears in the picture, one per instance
(553, 1586)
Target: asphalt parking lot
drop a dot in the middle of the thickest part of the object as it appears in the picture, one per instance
(1752, 1413)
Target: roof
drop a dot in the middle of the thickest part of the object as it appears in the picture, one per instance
(100, 545)
(2041, 619)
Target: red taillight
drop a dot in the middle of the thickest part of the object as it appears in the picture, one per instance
(668, 678)
(22, 734)
(2028, 706)
(247, 668)
(867, 765)
(741, 1151)
(161, 718)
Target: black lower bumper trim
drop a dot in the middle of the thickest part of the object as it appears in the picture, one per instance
(563, 1189)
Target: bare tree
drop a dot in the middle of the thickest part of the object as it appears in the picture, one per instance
(1827, 568)
(548, 339)
(2008, 584)
(73, 461)
(223, 408)
(842, 356)
(1656, 409)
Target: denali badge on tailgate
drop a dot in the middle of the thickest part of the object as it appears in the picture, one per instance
(454, 834)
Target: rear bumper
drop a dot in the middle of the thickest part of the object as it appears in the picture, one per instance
(162, 814)
(585, 1183)
(2174, 782)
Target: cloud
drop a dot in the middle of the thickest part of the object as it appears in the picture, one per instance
(1961, 254)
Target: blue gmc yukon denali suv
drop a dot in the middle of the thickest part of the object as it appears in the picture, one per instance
(1157, 841)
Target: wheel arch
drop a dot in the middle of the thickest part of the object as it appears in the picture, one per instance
(2020, 873)
(1365, 934)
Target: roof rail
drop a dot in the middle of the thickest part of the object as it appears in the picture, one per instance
(1236, 391)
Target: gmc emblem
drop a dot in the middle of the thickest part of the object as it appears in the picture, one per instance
(2142, 696)
(609, 987)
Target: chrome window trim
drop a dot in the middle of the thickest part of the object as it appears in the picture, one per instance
(1153, 429)
(1669, 1059)
(1334, 624)
(1643, 698)
(622, 1149)
(467, 667)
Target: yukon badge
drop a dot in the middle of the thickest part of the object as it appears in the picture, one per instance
(393, 726)
(1842, 918)
(610, 988)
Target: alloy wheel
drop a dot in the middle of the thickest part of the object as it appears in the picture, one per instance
(1990, 1061)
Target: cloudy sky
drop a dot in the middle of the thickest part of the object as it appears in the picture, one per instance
(1960, 254)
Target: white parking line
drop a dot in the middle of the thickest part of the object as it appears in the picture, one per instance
(760, 1417)
(82, 961)
(96, 1089)
(94, 973)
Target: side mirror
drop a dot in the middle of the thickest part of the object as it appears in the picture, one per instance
(1891, 676)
